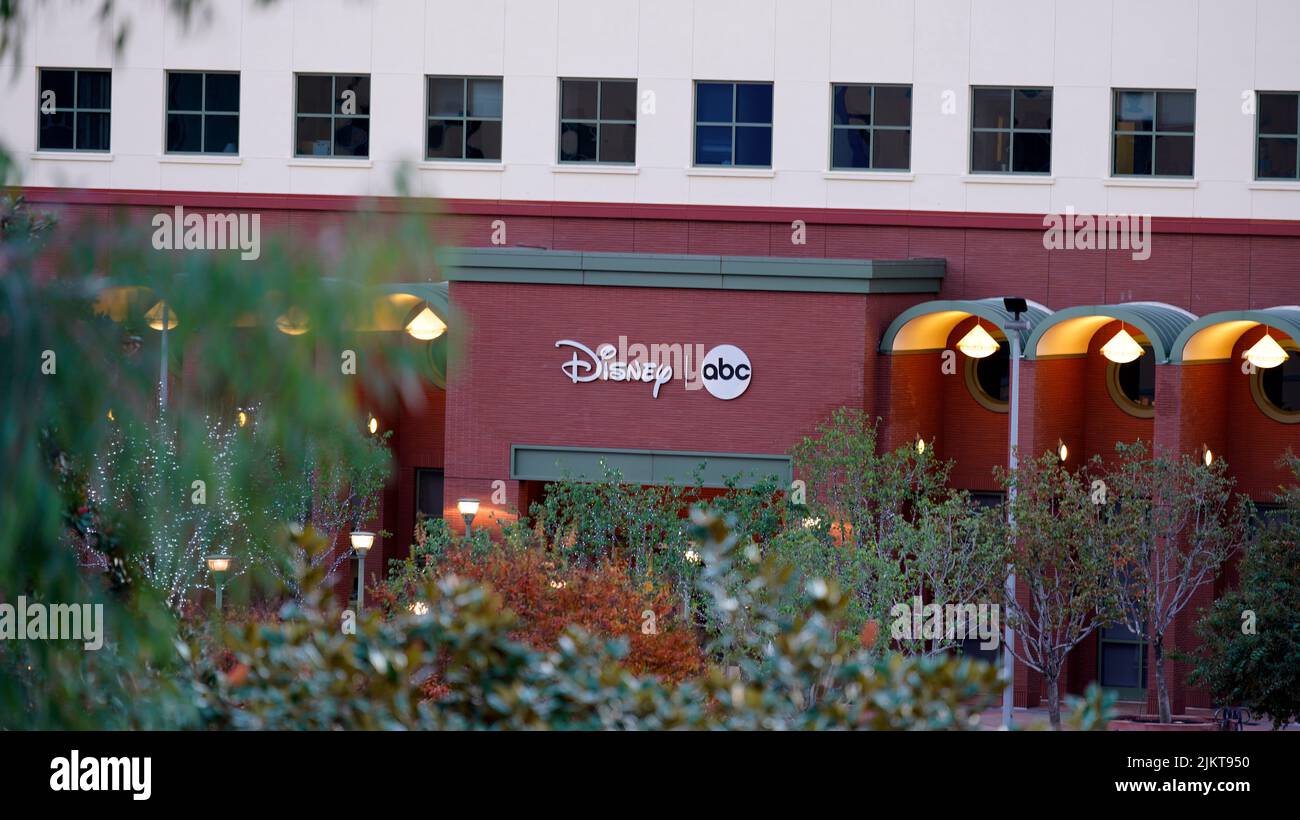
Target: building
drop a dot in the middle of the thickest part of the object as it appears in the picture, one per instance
(824, 195)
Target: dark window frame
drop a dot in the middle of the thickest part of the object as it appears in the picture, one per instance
(331, 117)
(733, 124)
(871, 130)
(1154, 133)
(598, 121)
(202, 113)
(1011, 130)
(1259, 110)
(75, 109)
(464, 119)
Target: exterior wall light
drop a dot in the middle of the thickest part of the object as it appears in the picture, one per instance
(154, 316)
(373, 425)
(1062, 451)
(977, 343)
(920, 445)
(468, 508)
(1266, 353)
(1207, 455)
(426, 326)
(1122, 348)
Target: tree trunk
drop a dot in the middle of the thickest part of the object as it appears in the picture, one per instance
(1162, 690)
(1054, 702)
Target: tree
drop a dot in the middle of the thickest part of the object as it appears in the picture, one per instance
(1250, 655)
(1175, 522)
(1062, 558)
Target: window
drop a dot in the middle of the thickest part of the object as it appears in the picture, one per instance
(871, 127)
(733, 124)
(1276, 390)
(72, 109)
(598, 121)
(1123, 661)
(428, 492)
(1277, 143)
(464, 118)
(989, 379)
(1154, 133)
(1132, 385)
(332, 115)
(202, 113)
(1011, 130)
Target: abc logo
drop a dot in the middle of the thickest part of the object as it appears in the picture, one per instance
(726, 372)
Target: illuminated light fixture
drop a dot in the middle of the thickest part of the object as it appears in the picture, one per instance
(1207, 455)
(468, 508)
(373, 425)
(426, 326)
(218, 565)
(293, 322)
(978, 344)
(110, 415)
(1266, 353)
(1062, 452)
(1122, 348)
(920, 445)
(243, 418)
(362, 541)
(154, 316)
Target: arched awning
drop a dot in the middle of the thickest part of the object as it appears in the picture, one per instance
(928, 325)
(1212, 337)
(1069, 331)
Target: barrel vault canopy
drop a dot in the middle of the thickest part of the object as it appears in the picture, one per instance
(1212, 337)
(1068, 332)
(927, 326)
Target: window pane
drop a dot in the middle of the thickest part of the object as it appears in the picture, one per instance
(891, 150)
(1032, 153)
(223, 92)
(893, 105)
(1175, 111)
(618, 143)
(713, 103)
(446, 97)
(1277, 157)
(754, 145)
(185, 132)
(1277, 113)
(1133, 154)
(1121, 665)
(483, 139)
(1034, 108)
(93, 89)
(360, 87)
(314, 93)
(712, 145)
(578, 100)
(315, 136)
(184, 92)
(754, 103)
(851, 148)
(92, 132)
(61, 83)
(577, 142)
(1134, 110)
(56, 131)
(221, 134)
(992, 107)
(484, 98)
(618, 101)
(991, 151)
(1174, 156)
(351, 137)
(445, 139)
(852, 105)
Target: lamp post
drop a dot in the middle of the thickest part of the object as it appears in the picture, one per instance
(362, 541)
(218, 565)
(468, 508)
(1014, 306)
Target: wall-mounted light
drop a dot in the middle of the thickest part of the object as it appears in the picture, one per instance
(426, 326)
(1266, 353)
(154, 316)
(1207, 455)
(1122, 348)
(1062, 451)
(920, 445)
(977, 343)
(373, 425)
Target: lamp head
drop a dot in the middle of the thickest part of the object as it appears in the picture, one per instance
(362, 541)
(468, 507)
(219, 563)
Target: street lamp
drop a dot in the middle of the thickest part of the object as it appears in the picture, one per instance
(1014, 306)
(468, 509)
(218, 565)
(362, 541)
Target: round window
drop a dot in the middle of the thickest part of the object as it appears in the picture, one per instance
(1132, 385)
(1277, 389)
(989, 379)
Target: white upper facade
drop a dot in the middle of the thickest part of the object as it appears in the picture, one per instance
(1225, 50)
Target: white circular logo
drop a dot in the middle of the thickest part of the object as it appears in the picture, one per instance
(726, 372)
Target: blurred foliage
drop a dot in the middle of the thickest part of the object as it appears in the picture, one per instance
(1094, 711)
